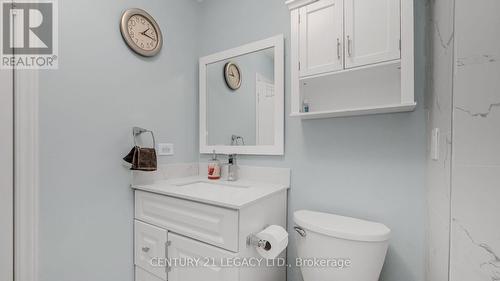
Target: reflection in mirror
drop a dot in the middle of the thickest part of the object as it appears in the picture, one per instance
(241, 100)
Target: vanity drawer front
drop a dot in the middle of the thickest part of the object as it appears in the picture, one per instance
(143, 275)
(209, 259)
(214, 225)
(149, 242)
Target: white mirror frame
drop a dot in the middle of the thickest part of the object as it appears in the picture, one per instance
(276, 42)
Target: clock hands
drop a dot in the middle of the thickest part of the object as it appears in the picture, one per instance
(150, 37)
(144, 34)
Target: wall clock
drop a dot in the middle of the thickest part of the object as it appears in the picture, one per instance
(232, 74)
(141, 32)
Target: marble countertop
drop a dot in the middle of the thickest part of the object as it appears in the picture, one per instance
(232, 195)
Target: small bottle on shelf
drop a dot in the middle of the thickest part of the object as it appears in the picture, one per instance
(306, 105)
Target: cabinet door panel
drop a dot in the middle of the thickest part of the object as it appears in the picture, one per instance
(321, 37)
(143, 275)
(189, 249)
(149, 242)
(372, 31)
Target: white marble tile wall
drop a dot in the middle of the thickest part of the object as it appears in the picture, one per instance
(440, 32)
(475, 238)
(465, 33)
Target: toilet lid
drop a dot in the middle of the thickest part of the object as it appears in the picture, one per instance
(342, 227)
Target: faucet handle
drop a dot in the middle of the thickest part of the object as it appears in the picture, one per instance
(232, 159)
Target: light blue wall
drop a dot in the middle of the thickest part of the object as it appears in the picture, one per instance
(87, 110)
(368, 167)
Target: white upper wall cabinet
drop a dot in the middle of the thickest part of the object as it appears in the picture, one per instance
(351, 57)
(372, 31)
(321, 37)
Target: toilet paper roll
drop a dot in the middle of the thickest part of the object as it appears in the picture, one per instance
(277, 239)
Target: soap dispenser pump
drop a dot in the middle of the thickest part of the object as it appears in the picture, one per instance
(214, 168)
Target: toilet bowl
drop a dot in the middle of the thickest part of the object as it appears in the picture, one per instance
(337, 248)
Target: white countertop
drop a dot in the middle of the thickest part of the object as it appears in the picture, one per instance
(233, 195)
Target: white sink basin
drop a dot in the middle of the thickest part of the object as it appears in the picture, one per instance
(228, 194)
(211, 184)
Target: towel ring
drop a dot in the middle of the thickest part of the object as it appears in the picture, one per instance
(137, 131)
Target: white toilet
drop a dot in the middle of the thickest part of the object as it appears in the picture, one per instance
(336, 248)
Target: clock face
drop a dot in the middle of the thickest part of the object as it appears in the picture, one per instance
(141, 32)
(232, 75)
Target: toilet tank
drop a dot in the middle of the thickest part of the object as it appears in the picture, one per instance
(337, 248)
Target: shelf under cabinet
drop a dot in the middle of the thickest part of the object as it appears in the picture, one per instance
(395, 63)
(356, 111)
(373, 89)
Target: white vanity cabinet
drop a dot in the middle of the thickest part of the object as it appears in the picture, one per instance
(176, 229)
(351, 57)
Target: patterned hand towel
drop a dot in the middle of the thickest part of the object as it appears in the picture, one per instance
(142, 159)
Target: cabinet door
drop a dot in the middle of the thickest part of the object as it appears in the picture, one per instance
(150, 242)
(372, 31)
(183, 249)
(143, 275)
(321, 37)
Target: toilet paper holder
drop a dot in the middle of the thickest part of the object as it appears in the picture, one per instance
(254, 241)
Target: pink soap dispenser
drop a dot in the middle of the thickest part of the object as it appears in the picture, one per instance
(214, 168)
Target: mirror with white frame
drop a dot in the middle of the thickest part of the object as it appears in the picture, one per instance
(242, 99)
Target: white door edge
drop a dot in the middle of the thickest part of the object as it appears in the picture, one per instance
(26, 175)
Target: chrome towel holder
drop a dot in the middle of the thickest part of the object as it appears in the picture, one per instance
(137, 131)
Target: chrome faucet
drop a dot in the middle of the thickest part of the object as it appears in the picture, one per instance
(232, 168)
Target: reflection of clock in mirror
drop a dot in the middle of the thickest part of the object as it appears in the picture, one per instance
(232, 75)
